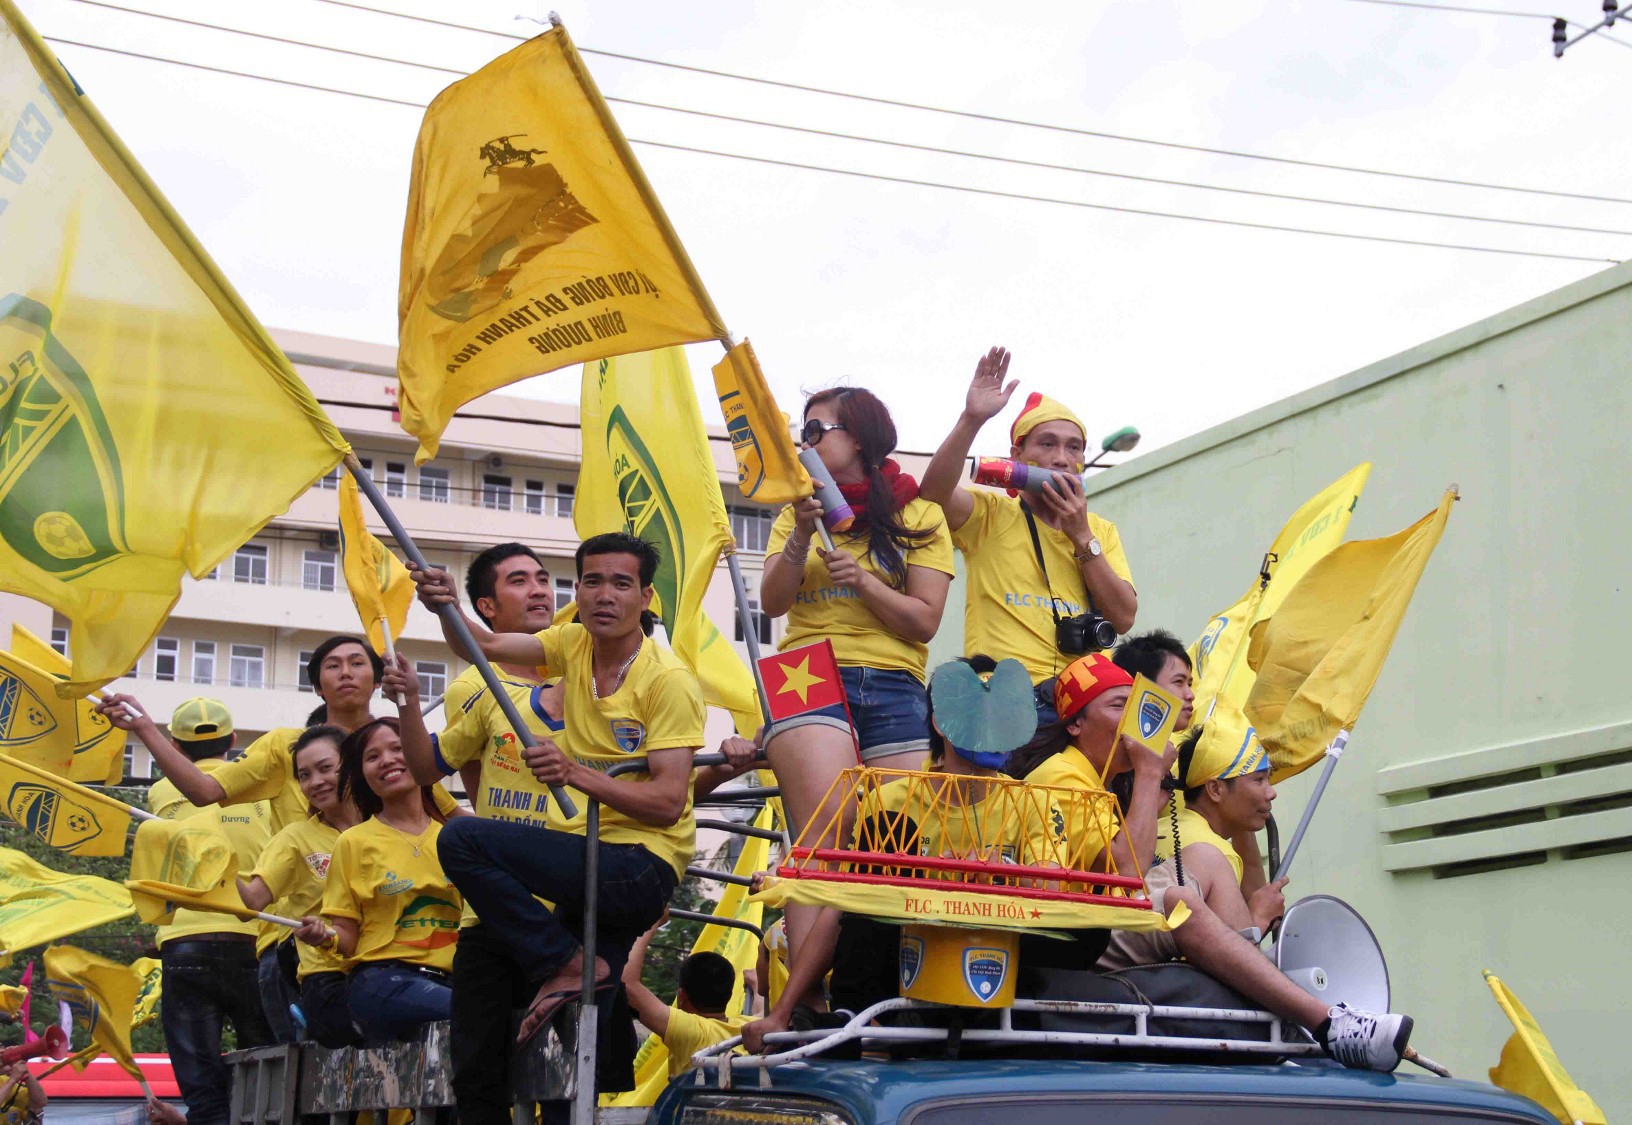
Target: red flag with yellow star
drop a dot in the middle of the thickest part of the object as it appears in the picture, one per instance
(801, 680)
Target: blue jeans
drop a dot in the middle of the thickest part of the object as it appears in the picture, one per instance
(392, 1000)
(206, 985)
(276, 994)
(499, 866)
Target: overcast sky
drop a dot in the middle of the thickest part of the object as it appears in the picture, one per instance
(1170, 325)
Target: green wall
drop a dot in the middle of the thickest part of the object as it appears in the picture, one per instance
(1482, 817)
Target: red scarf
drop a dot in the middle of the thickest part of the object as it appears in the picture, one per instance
(903, 490)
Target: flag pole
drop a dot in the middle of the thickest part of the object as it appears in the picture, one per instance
(390, 653)
(456, 623)
(750, 633)
(1333, 753)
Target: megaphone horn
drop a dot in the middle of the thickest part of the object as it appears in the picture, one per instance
(53, 1043)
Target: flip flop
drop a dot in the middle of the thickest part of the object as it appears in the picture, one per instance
(545, 1007)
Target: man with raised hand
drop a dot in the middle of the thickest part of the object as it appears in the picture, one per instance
(626, 699)
(1030, 561)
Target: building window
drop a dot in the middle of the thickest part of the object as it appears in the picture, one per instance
(302, 659)
(762, 622)
(203, 662)
(329, 482)
(368, 466)
(433, 678)
(166, 658)
(752, 528)
(249, 564)
(212, 575)
(564, 494)
(496, 492)
(396, 478)
(317, 570)
(59, 640)
(434, 484)
(247, 667)
(533, 498)
(564, 592)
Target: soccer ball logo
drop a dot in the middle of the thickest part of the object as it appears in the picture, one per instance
(60, 534)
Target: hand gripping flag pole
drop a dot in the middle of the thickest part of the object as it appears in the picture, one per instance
(450, 614)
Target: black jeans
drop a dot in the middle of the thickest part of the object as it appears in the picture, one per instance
(208, 984)
(488, 986)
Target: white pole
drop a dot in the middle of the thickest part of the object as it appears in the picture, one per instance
(1333, 753)
(390, 653)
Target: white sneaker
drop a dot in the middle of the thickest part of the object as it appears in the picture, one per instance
(1364, 1040)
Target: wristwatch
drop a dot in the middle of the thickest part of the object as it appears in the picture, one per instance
(1094, 551)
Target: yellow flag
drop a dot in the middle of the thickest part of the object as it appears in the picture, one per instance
(1317, 659)
(533, 240)
(96, 745)
(148, 424)
(738, 946)
(379, 583)
(1529, 1065)
(151, 973)
(101, 994)
(11, 998)
(1218, 656)
(190, 853)
(647, 470)
(64, 815)
(158, 902)
(39, 905)
(768, 468)
(35, 726)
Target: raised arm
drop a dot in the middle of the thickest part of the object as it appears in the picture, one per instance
(193, 783)
(649, 1007)
(659, 801)
(401, 683)
(987, 397)
(436, 592)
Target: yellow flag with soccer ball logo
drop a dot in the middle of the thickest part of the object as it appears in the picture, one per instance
(148, 424)
(768, 468)
(101, 996)
(60, 813)
(533, 240)
(99, 747)
(380, 585)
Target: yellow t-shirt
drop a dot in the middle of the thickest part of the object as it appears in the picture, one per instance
(1193, 829)
(294, 867)
(689, 1033)
(992, 831)
(1091, 821)
(456, 697)
(824, 611)
(1006, 603)
(247, 827)
(16, 1112)
(405, 907)
(478, 731)
(659, 706)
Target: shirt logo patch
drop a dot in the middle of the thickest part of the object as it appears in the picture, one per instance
(628, 734)
(318, 862)
(395, 884)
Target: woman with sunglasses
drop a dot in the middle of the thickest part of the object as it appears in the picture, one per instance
(877, 596)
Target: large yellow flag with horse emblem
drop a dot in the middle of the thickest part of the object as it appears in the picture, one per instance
(378, 581)
(532, 241)
(148, 424)
(647, 470)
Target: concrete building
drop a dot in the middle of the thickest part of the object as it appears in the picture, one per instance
(506, 470)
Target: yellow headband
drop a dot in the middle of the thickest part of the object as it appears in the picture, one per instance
(1040, 408)
(1228, 748)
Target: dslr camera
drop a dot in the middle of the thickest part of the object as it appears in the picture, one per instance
(1083, 633)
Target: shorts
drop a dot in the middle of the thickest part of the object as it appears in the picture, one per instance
(1153, 947)
(889, 713)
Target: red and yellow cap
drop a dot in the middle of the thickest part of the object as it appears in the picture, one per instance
(1040, 408)
(1084, 680)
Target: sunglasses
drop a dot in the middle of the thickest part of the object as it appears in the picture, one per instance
(815, 428)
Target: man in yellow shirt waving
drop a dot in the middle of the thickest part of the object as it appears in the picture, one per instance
(625, 699)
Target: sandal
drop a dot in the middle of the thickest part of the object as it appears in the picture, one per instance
(543, 1008)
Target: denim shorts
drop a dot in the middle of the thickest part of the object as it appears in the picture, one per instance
(889, 713)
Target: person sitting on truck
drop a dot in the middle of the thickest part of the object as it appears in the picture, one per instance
(1227, 798)
(22, 1101)
(698, 1017)
(1082, 746)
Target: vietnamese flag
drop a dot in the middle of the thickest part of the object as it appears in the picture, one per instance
(801, 680)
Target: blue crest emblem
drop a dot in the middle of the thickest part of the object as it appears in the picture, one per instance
(1153, 712)
(1204, 647)
(628, 734)
(912, 960)
(984, 971)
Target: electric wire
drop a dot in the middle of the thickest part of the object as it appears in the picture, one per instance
(1240, 223)
(835, 134)
(993, 118)
(1491, 12)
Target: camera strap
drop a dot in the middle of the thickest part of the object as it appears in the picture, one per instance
(1037, 549)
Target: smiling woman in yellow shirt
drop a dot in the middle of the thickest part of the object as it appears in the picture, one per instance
(394, 912)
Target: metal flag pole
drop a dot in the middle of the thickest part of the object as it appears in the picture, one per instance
(749, 632)
(455, 621)
(1333, 753)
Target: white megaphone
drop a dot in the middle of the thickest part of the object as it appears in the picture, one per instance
(1327, 949)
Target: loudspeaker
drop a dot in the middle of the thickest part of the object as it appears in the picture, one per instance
(1330, 952)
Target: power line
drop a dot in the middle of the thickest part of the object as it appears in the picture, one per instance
(992, 118)
(808, 131)
(1494, 12)
(887, 179)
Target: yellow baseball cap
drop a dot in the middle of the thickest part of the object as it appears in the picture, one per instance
(199, 719)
